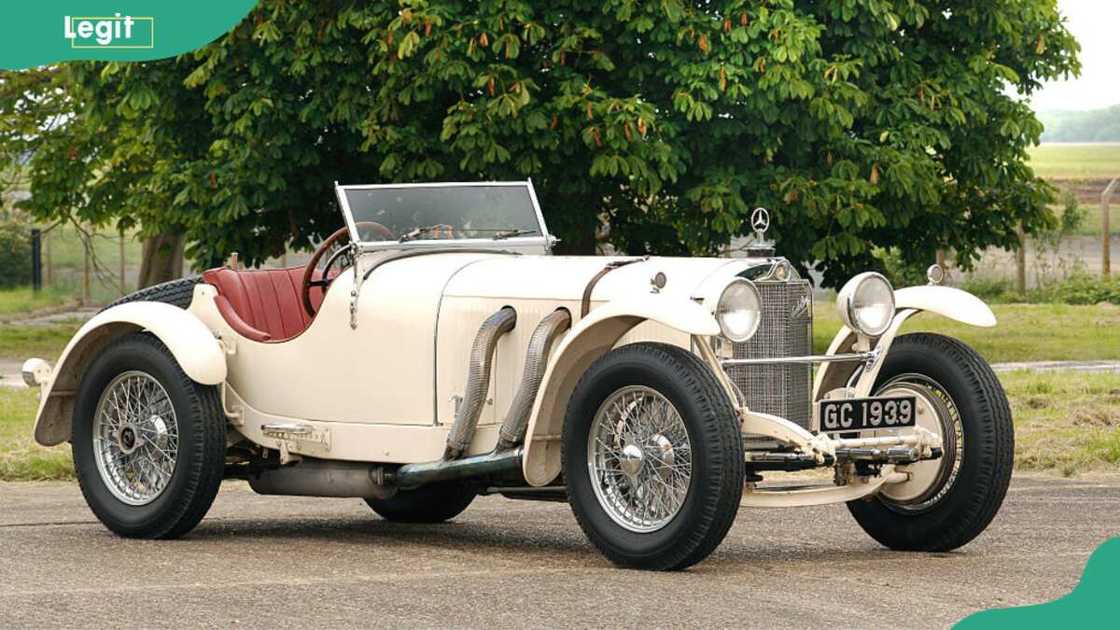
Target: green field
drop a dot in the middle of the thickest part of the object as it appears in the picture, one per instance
(1067, 422)
(1025, 332)
(45, 341)
(22, 301)
(1076, 161)
(21, 459)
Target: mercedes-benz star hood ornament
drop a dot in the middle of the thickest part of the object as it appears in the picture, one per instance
(760, 223)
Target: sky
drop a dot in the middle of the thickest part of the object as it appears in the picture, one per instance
(1096, 25)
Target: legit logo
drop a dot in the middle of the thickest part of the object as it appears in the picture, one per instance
(110, 32)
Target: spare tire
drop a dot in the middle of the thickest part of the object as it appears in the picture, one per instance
(175, 292)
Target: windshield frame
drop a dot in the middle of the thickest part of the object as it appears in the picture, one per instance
(542, 239)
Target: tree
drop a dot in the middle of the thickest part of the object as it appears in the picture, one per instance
(862, 124)
(74, 170)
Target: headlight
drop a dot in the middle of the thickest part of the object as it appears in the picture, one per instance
(866, 304)
(739, 310)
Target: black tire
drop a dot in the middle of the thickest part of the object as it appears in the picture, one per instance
(175, 292)
(967, 503)
(200, 463)
(716, 481)
(434, 503)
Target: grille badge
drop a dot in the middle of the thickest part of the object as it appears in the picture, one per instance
(802, 309)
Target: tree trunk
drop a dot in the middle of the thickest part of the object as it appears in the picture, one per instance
(162, 259)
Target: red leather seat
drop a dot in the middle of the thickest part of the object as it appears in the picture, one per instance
(262, 304)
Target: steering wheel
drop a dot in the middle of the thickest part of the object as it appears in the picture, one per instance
(337, 250)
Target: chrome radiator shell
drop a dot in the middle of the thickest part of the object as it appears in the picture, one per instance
(786, 330)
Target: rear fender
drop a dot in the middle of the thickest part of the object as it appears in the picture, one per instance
(192, 344)
(592, 337)
(948, 302)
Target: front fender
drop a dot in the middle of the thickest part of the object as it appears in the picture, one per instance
(192, 344)
(592, 337)
(955, 304)
(948, 302)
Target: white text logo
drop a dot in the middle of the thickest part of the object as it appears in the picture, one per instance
(110, 32)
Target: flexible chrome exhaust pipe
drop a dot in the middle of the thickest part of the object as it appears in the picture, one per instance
(536, 360)
(478, 381)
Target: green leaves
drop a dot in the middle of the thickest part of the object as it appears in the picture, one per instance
(861, 124)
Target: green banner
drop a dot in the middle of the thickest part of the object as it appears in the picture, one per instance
(48, 31)
(1091, 605)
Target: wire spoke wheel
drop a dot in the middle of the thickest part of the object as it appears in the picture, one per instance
(639, 457)
(135, 437)
(652, 457)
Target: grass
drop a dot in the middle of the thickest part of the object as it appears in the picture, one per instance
(23, 301)
(1026, 332)
(1066, 423)
(1076, 161)
(21, 459)
(45, 341)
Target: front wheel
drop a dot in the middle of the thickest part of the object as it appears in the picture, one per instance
(148, 442)
(653, 457)
(949, 501)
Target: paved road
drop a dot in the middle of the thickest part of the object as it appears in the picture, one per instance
(10, 375)
(285, 562)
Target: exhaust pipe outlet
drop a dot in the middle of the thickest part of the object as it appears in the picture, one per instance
(536, 360)
(415, 475)
(478, 381)
(325, 478)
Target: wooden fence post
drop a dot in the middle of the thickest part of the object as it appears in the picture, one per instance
(1021, 261)
(1106, 238)
(87, 263)
(124, 290)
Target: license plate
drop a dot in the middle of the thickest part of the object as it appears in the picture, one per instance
(861, 414)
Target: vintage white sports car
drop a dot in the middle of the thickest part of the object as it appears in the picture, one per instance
(433, 350)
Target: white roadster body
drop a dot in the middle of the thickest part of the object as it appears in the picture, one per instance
(368, 388)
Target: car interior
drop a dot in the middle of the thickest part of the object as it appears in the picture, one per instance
(263, 304)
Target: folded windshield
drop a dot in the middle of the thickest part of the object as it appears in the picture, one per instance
(427, 212)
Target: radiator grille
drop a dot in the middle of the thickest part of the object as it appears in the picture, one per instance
(786, 330)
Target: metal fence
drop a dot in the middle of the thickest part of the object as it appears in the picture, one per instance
(1052, 257)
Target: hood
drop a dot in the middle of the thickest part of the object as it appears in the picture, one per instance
(564, 278)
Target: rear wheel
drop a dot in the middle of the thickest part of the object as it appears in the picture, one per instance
(949, 501)
(653, 457)
(434, 503)
(148, 442)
